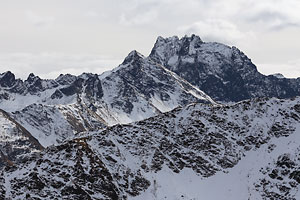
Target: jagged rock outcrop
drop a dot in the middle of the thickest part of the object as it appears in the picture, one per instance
(224, 73)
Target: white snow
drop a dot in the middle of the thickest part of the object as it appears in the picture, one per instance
(18, 102)
(161, 105)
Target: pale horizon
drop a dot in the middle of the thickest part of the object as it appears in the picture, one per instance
(53, 37)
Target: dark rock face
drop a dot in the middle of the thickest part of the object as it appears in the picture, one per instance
(34, 84)
(74, 88)
(93, 87)
(90, 86)
(65, 79)
(224, 73)
(7, 79)
(58, 94)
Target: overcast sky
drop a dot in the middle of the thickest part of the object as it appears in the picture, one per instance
(49, 37)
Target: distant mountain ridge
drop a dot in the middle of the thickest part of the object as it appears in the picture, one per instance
(56, 110)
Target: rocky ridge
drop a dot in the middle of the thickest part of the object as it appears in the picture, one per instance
(198, 142)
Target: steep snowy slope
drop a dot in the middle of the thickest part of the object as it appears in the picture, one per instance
(51, 124)
(15, 140)
(224, 73)
(196, 152)
(140, 88)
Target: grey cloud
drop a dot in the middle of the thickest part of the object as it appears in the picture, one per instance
(138, 19)
(266, 16)
(273, 20)
(282, 26)
(139, 12)
(273, 15)
(216, 30)
(39, 21)
(290, 69)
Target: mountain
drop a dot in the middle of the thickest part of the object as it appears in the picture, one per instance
(247, 150)
(224, 73)
(140, 88)
(54, 110)
(145, 130)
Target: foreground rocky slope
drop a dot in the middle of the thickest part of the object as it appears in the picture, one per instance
(224, 73)
(175, 155)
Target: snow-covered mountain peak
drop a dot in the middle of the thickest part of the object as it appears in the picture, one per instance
(6, 73)
(32, 78)
(86, 76)
(161, 39)
(225, 73)
(168, 50)
(65, 79)
(132, 57)
(175, 39)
